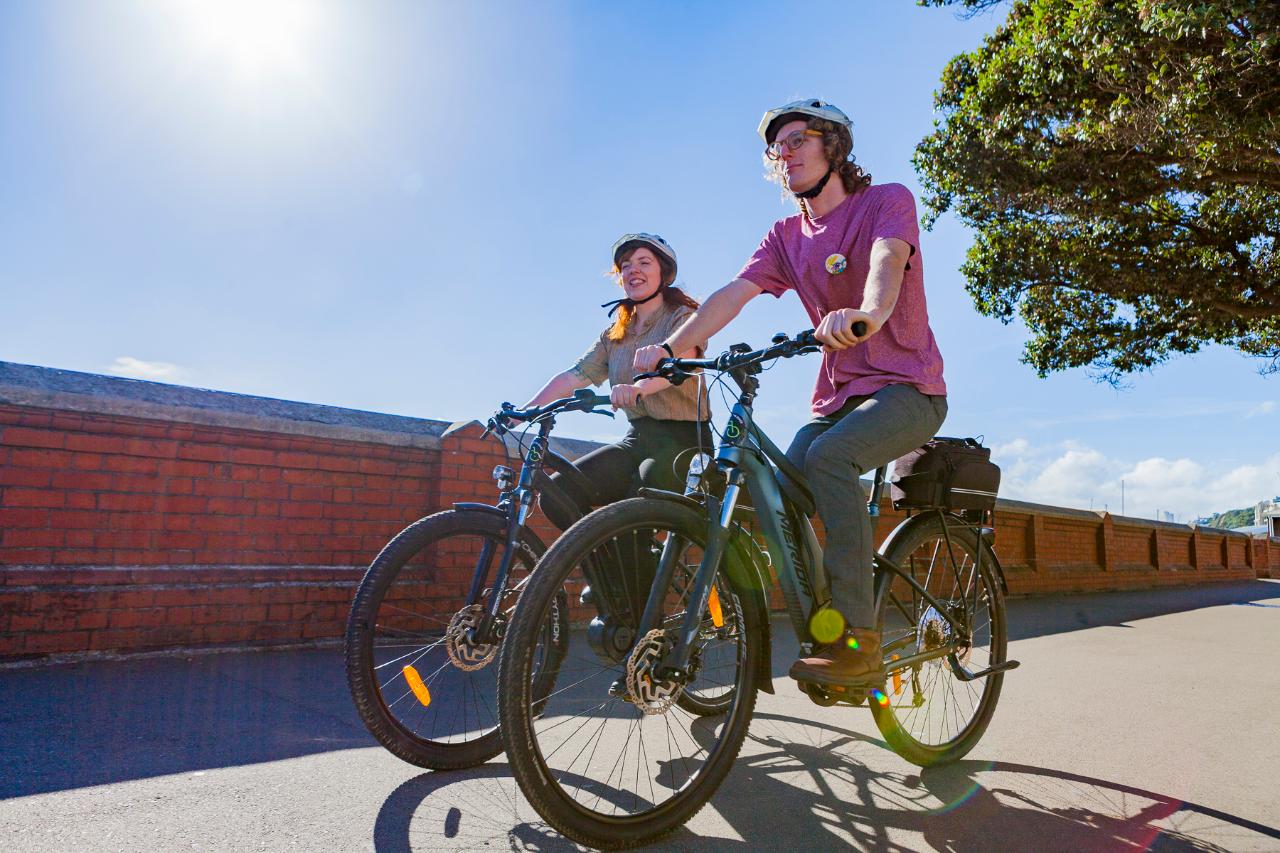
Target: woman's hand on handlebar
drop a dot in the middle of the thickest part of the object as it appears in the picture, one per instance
(836, 331)
(625, 396)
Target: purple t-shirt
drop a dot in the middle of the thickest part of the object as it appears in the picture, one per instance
(797, 254)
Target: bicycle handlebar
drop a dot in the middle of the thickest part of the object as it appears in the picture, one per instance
(676, 370)
(581, 401)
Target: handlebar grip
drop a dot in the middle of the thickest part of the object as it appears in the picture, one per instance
(807, 339)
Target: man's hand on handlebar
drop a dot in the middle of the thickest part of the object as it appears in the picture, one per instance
(837, 332)
(647, 358)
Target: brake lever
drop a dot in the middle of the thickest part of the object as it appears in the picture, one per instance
(604, 412)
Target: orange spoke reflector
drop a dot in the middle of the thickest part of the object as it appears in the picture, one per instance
(717, 615)
(415, 684)
(897, 679)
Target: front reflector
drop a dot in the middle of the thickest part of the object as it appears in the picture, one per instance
(717, 615)
(416, 685)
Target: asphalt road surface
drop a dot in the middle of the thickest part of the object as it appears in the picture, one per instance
(1138, 721)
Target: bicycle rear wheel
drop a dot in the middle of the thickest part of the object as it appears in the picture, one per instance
(610, 756)
(423, 688)
(928, 713)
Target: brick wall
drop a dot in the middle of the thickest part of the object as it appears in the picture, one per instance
(139, 516)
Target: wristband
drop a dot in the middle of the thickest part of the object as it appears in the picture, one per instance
(666, 346)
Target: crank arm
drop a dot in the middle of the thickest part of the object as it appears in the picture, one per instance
(964, 674)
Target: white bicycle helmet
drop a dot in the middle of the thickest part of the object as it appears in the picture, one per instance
(807, 107)
(653, 241)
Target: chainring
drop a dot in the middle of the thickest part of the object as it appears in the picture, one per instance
(647, 694)
(463, 653)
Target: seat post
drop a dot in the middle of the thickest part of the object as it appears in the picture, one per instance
(873, 505)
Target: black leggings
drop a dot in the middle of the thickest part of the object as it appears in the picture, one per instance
(653, 454)
(645, 457)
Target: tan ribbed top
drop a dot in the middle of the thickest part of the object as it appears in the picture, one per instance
(612, 360)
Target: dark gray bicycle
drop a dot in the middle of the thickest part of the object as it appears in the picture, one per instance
(614, 758)
(431, 611)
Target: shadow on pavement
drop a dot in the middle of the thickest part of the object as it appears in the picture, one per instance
(109, 721)
(967, 806)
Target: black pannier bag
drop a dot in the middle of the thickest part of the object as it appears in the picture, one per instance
(951, 473)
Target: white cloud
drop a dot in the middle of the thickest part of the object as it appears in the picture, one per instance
(1071, 474)
(1264, 408)
(156, 371)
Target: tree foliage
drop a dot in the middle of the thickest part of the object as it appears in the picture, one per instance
(1119, 161)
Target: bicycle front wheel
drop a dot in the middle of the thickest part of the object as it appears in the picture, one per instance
(928, 712)
(611, 756)
(421, 683)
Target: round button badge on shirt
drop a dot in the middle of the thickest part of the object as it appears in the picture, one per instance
(836, 263)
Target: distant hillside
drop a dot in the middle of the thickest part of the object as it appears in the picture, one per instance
(1232, 518)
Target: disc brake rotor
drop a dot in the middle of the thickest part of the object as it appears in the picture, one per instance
(463, 653)
(647, 693)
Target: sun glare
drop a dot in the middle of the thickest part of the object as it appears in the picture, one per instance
(255, 38)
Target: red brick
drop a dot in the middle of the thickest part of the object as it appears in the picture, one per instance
(204, 452)
(151, 447)
(131, 465)
(181, 504)
(26, 437)
(274, 491)
(252, 456)
(122, 539)
(231, 506)
(134, 521)
(218, 488)
(376, 466)
(297, 460)
(32, 538)
(307, 510)
(310, 493)
(183, 468)
(23, 497)
(77, 479)
(132, 503)
(312, 478)
(88, 461)
(35, 477)
(241, 473)
(70, 556)
(95, 443)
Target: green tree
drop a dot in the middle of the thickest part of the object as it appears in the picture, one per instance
(1119, 161)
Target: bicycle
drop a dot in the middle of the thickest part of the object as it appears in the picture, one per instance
(429, 615)
(939, 599)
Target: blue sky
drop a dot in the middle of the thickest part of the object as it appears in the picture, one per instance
(408, 208)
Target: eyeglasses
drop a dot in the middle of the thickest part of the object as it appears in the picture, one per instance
(774, 149)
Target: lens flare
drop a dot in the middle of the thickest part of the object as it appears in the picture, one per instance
(827, 625)
(851, 643)
(880, 698)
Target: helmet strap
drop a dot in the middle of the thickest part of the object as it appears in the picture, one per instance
(813, 191)
(632, 303)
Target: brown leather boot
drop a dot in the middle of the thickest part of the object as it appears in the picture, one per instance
(852, 661)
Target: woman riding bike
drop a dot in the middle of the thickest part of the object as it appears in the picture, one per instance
(666, 421)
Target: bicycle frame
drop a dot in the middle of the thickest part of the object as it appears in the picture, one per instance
(514, 504)
(747, 457)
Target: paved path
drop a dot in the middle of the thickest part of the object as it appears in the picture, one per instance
(1138, 721)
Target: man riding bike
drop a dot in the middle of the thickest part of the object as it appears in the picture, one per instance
(852, 254)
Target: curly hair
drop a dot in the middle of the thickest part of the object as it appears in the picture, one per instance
(838, 146)
(671, 295)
